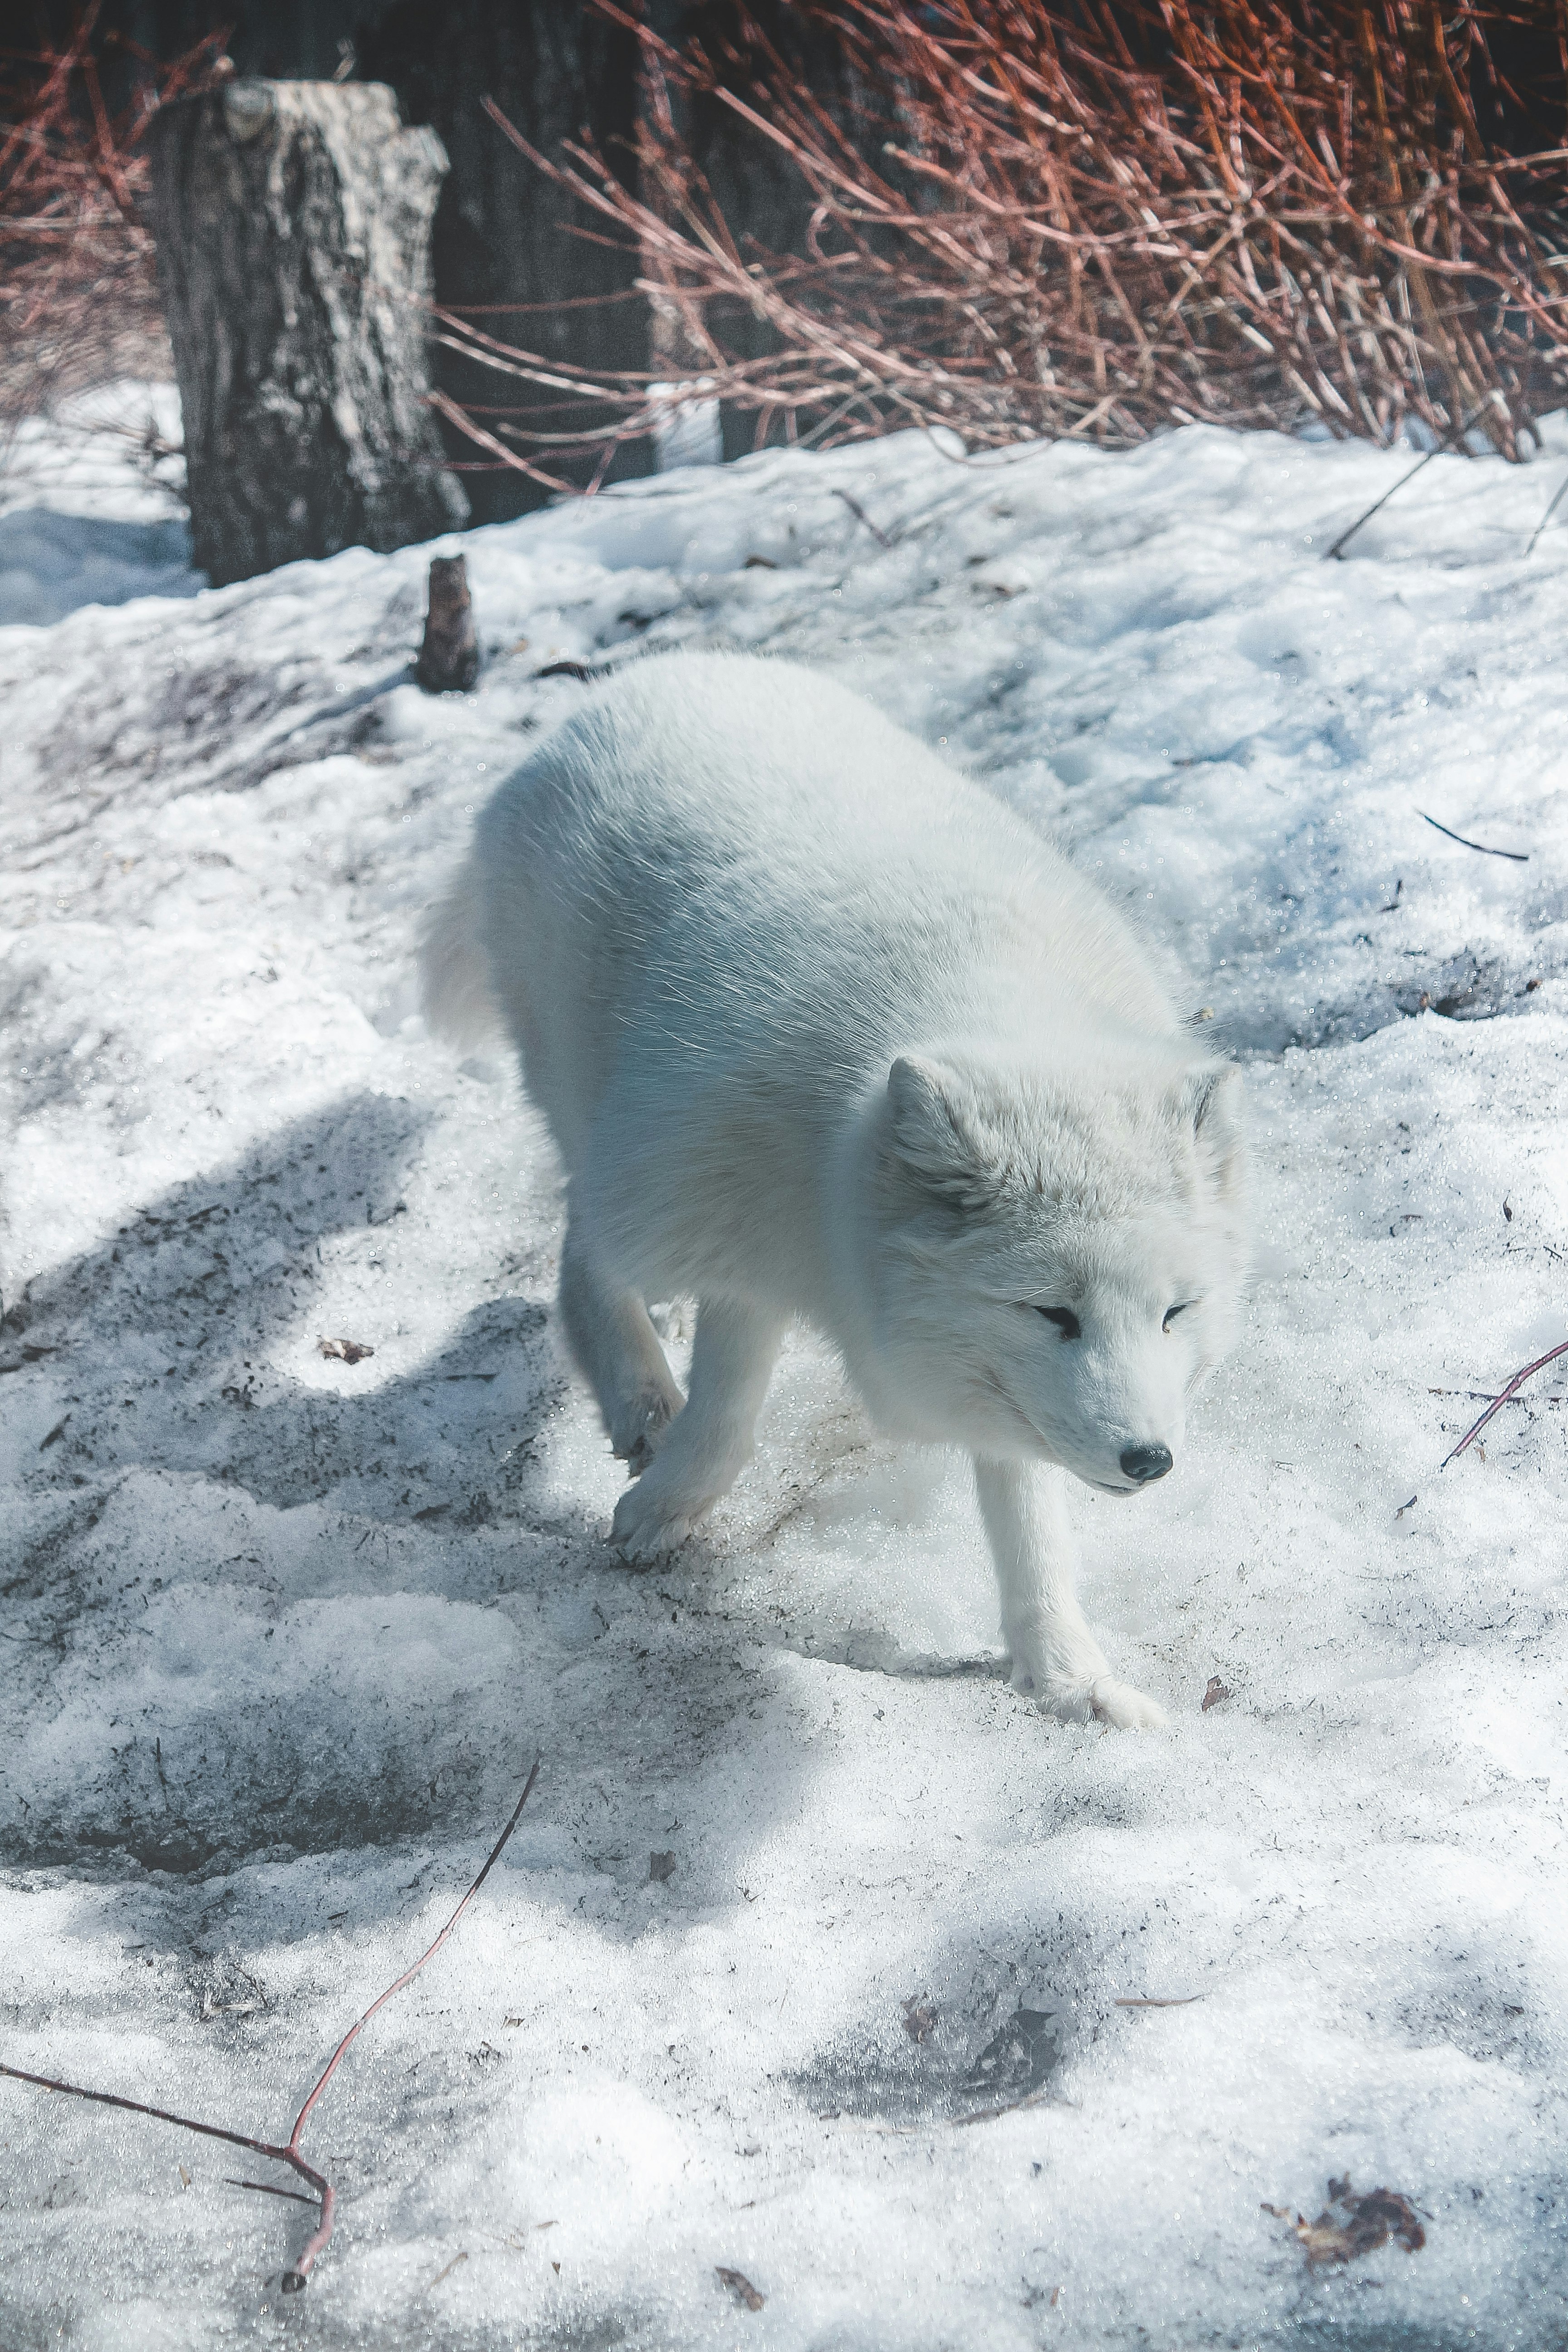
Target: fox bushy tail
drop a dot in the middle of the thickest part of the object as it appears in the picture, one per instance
(457, 999)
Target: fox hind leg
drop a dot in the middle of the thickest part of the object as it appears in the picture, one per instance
(619, 1354)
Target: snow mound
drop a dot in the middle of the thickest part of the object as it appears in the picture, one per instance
(812, 1958)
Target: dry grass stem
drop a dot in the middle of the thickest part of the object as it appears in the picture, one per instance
(1520, 857)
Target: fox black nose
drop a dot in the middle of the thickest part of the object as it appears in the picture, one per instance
(1145, 1461)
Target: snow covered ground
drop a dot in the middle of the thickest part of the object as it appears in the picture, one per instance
(90, 506)
(282, 1634)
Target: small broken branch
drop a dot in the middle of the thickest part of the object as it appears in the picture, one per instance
(267, 2189)
(1173, 2001)
(860, 514)
(1502, 1397)
(1043, 2098)
(289, 2153)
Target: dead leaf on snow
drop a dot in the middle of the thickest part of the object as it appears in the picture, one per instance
(660, 1866)
(348, 1351)
(740, 2287)
(920, 2018)
(1216, 1693)
(1361, 2226)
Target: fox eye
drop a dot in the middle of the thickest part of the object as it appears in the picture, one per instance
(1171, 1312)
(1064, 1319)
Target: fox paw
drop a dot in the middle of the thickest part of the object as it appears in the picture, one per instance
(639, 1424)
(1128, 1709)
(1095, 1698)
(647, 1523)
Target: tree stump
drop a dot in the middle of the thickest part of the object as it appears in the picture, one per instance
(292, 222)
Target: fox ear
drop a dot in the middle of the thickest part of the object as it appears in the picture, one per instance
(1210, 1104)
(936, 1133)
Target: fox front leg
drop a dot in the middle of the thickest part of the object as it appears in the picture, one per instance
(1055, 1660)
(709, 1442)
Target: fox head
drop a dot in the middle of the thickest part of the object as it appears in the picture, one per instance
(1058, 1254)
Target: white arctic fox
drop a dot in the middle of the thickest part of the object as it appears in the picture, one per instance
(823, 1030)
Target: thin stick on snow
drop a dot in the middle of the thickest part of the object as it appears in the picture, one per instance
(1446, 442)
(1520, 857)
(1557, 498)
(1345, 537)
(301, 2269)
(267, 2189)
(1171, 2001)
(288, 2154)
(1502, 1399)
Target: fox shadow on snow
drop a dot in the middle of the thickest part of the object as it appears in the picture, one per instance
(169, 1444)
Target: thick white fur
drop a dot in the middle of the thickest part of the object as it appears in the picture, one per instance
(822, 1030)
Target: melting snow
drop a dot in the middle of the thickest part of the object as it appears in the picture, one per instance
(803, 1887)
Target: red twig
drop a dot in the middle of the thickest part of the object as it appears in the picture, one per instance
(289, 2153)
(1502, 1399)
(77, 279)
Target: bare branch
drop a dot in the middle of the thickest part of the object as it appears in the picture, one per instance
(289, 2153)
(1502, 1399)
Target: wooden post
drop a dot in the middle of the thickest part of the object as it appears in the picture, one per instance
(449, 657)
(292, 222)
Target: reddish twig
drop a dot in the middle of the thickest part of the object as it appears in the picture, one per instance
(288, 2152)
(1502, 1399)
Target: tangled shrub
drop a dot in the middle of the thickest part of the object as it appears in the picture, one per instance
(1096, 218)
(79, 295)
